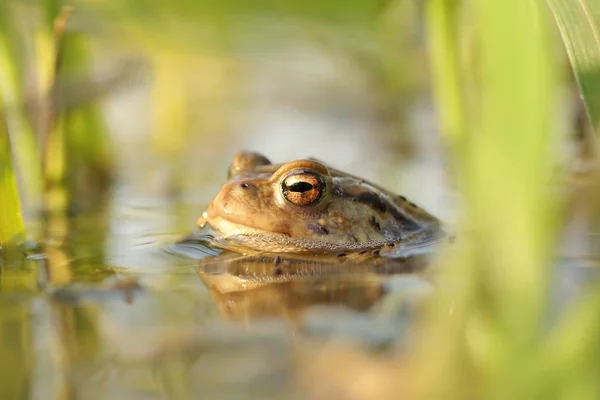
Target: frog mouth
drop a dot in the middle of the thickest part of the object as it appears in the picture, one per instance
(235, 236)
(243, 237)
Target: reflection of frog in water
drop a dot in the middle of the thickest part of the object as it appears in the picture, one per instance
(295, 224)
(254, 286)
(306, 207)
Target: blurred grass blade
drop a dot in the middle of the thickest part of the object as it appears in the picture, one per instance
(509, 157)
(74, 146)
(23, 146)
(11, 221)
(579, 25)
(509, 198)
(442, 26)
(87, 155)
(573, 350)
(484, 330)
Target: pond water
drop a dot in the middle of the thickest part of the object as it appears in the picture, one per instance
(109, 310)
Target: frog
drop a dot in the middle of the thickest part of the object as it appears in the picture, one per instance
(307, 207)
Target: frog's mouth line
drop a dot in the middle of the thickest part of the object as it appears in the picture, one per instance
(277, 242)
(244, 237)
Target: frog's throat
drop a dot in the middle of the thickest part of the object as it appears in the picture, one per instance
(244, 236)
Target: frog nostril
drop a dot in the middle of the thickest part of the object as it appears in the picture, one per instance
(244, 185)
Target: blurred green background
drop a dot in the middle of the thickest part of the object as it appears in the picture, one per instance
(118, 121)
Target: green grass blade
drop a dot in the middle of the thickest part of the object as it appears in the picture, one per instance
(579, 25)
(573, 350)
(442, 26)
(482, 338)
(509, 161)
(84, 151)
(23, 146)
(11, 221)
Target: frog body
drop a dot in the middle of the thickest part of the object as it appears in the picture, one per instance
(304, 206)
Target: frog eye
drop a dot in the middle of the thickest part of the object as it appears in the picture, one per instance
(303, 188)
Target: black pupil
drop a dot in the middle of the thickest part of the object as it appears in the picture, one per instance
(300, 187)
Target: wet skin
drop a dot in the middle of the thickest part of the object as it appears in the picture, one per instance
(307, 207)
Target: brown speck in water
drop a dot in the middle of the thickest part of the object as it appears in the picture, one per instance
(277, 260)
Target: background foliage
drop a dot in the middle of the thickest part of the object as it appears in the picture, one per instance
(501, 90)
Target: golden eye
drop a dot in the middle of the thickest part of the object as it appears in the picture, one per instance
(303, 188)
